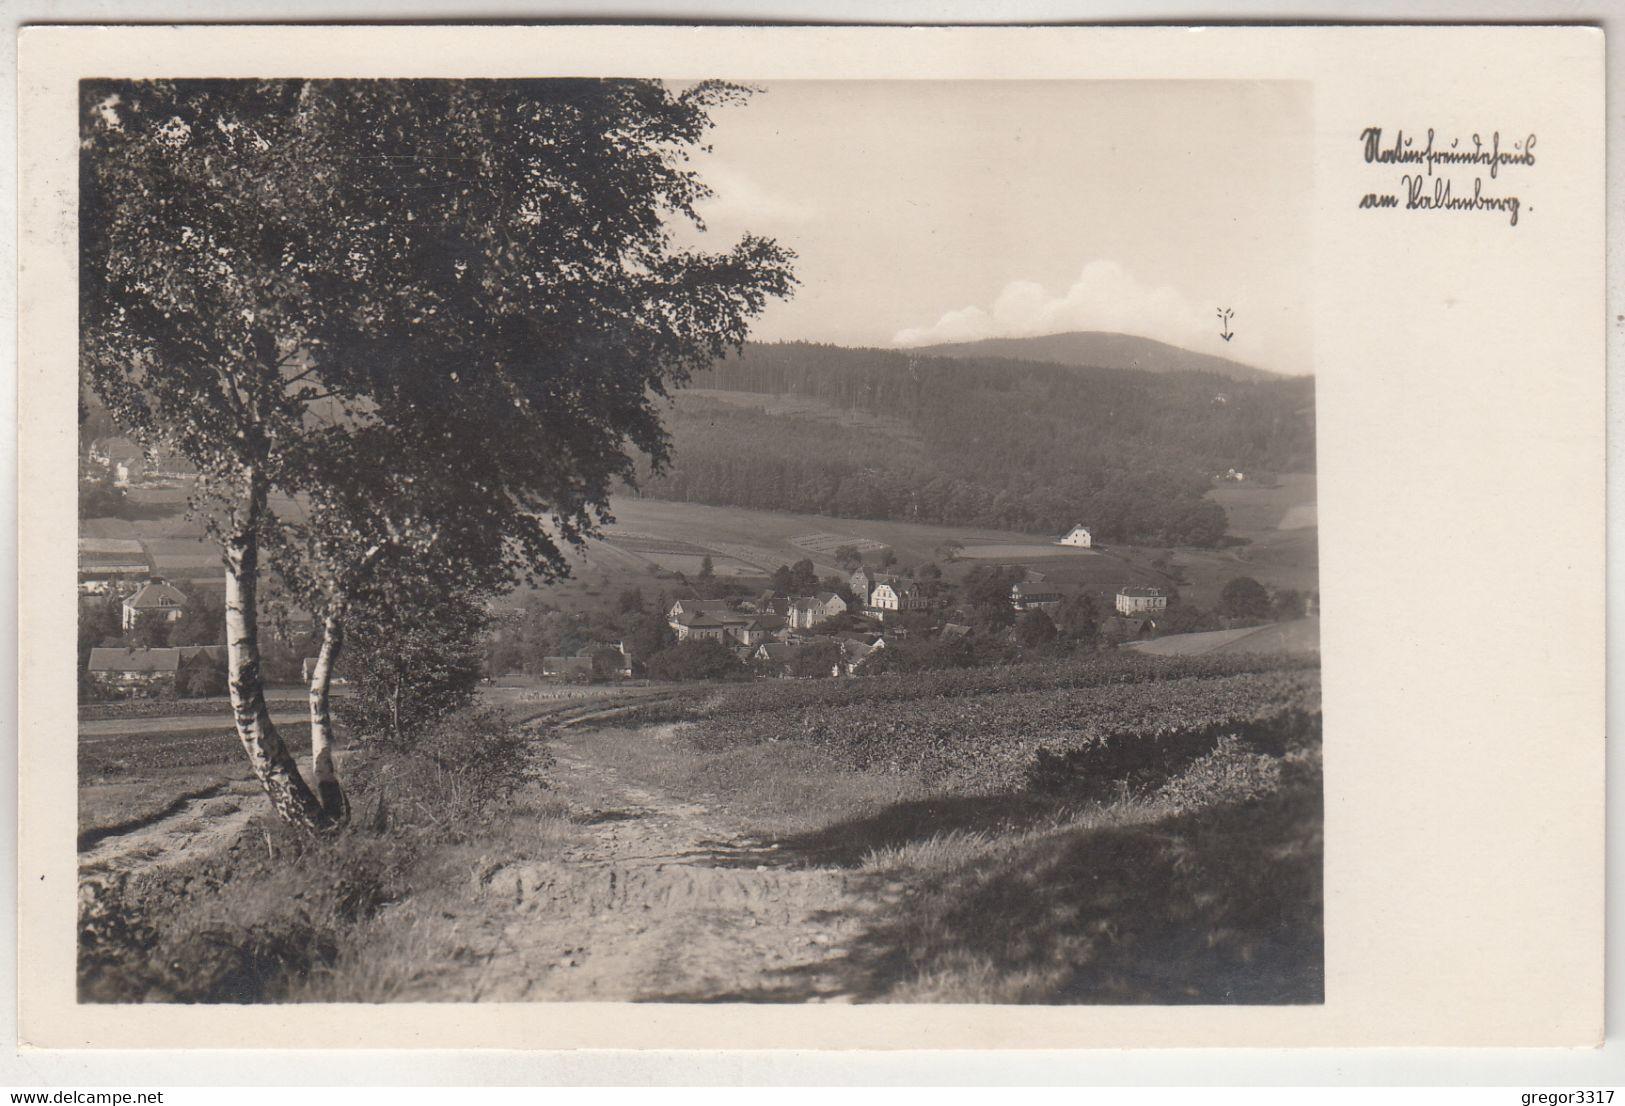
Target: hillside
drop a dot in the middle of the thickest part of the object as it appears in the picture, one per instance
(979, 441)
(1101, 349)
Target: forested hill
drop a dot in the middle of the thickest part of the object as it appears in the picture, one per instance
(1102, 349)
(980, 441)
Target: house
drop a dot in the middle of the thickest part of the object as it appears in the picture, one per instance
(854, 653)
(762, 628)
(955, 630)
(111, 564)
(1141, 600)
(210, 659)
(606, 660)
(1037, 597)
(134, 667)
(699, 626)
(154, 597)
(775, 656)
(137, 668)
(807, 611)
(568, 667)
(862, 583)
(893, 595)
(695, 606)
(1077, 537)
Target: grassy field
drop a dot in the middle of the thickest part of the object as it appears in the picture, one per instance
(1254, 510)
(1202, 885)
(131, 779)
(738, 540)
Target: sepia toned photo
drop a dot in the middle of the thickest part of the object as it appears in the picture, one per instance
(697, 541)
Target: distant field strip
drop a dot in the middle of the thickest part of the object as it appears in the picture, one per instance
(829, 543)
(648, 543)
(754, 556)
(1018, 551)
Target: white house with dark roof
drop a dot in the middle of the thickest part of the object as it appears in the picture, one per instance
(155, 597)
(893, 595)
(1141, 600)
(1077, 537)
(137, 667)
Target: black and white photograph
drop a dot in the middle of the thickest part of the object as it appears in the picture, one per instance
(697, 541)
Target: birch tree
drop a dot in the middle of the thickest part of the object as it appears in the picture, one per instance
(487, 264)
(396, 528)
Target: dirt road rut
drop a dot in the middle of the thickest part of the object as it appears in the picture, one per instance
(663, 901)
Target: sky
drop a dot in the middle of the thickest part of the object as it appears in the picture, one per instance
(927, 211)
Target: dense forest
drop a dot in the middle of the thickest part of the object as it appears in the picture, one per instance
(989, 442)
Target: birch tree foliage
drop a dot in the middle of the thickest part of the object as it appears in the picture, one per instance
(487, 267)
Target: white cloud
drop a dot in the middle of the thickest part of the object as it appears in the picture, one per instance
(1104, 297)
(742, 203)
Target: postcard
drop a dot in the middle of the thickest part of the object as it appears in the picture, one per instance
(713, 537)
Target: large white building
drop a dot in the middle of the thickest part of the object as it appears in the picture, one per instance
(1078, 536)
(893, 595)
(1140, 600)
(155, 597)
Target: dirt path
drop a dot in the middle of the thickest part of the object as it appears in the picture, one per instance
(661, 901)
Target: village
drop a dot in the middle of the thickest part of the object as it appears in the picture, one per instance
(770, 634)
(146, 634)
(776, 634)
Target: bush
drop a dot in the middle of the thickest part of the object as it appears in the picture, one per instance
(1231, 773)
(241, 926)
(202, 678)
(411, 668)
(451, 776)
(1244, 598)
(695, 660)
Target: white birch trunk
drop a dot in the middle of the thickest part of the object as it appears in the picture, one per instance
(328, 792)
(290, 796)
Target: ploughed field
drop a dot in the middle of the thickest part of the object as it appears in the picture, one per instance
(1115, 828)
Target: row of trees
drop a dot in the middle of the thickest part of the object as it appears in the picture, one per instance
(986, 442)
(279, 287)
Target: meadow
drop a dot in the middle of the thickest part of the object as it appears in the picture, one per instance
(1108, 829)
(1140, 830)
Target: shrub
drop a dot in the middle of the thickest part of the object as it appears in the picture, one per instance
(452, 776)
(695, 660)
(240, 926)
(202, 678)
(1230, 773)
(411, 668)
